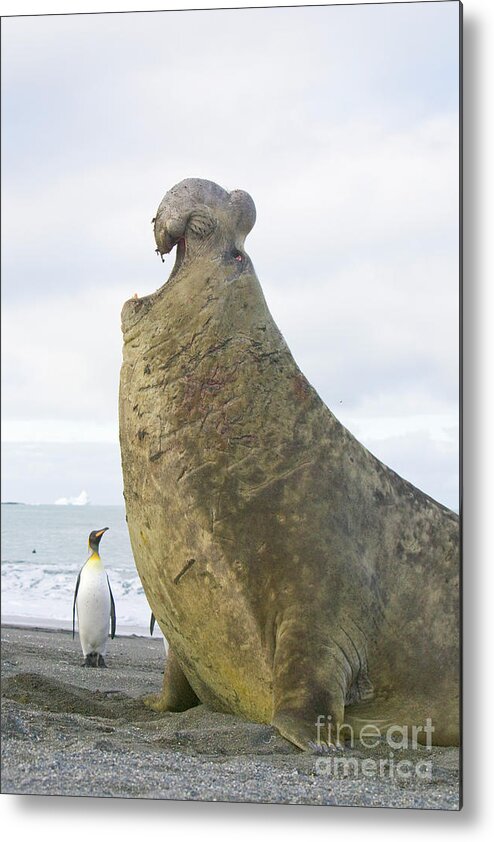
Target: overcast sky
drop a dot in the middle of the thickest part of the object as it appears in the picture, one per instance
(341, 122)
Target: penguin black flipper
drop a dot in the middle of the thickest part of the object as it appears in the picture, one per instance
(151, 624)
(113, 613)
(75, 600)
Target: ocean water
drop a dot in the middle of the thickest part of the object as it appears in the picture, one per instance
(38, 587)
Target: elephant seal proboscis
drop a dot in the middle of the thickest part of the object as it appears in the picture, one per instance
(296, 577)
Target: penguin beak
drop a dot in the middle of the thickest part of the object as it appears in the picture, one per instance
(102, 532)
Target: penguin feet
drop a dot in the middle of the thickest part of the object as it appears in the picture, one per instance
(91, 660)
(94, 660)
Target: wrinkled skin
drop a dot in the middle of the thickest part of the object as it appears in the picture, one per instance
(294, 575)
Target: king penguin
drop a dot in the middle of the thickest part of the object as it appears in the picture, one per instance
(95, 606)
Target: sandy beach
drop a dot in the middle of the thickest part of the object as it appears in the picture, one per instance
(73, 731)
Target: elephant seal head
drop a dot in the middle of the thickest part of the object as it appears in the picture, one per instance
(199, 216)
(208, 225)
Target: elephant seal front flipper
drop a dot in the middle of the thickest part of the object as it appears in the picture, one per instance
(177, 694)
(308, 681)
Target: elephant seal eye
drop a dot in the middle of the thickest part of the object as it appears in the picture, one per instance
(238, 256)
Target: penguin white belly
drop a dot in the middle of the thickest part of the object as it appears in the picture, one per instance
(93, 610)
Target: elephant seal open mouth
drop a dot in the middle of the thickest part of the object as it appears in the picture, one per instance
(294, 575)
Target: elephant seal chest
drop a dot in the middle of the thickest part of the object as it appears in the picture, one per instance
(191, 442)
(292, 573)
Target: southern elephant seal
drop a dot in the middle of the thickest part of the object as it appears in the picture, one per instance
(296, 577)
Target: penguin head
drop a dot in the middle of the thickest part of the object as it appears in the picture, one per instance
(95, 538)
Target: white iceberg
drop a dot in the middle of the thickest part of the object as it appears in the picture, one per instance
(81, 500)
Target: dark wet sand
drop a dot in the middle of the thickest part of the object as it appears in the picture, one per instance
(73, 731)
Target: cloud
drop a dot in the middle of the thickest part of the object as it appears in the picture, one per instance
(61, 357)
(343, 124)
(44, 472)
(376, 330)
(308, 122)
